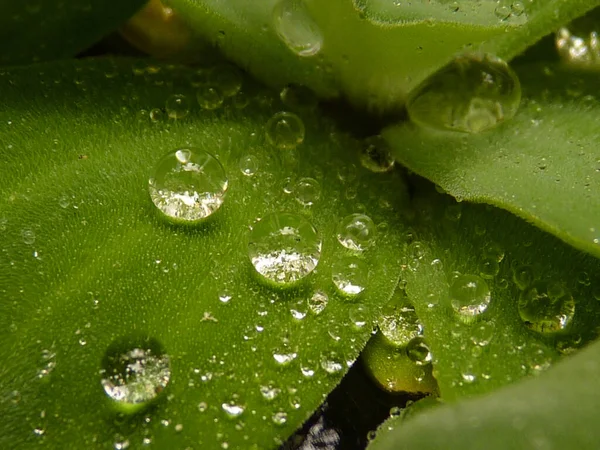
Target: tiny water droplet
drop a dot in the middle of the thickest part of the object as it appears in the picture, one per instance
(64, 201)
(523, 276)
(331, 362)
(298, 98)
(469, 297)
(188, 185)
(157, 115)
(359, 315)
(285, 130)
(350, 275)
(284, 247)
(269, 392)
(296, 28)
(356, 232)
(202, 406)
(177, 106)
(227, 79)
(398, 321)
(376, 155)
(225, 297)
(489, 268)
(471, 94)
(135, 371)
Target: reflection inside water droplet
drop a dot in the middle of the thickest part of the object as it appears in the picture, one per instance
(356, 232)
(469, 296)
(296, 28)
(285, 130)
(546, 307)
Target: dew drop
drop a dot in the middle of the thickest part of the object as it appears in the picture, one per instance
(298, 98)
(188, 185)
(359, 315)
(227, 79)
(225, 297)
(232, 409)
(356, 232)
(350, 275)
(135, 371)
(472, 94)
(376, 155)
(418, 351)
(177, 106)
(523, 276)
(489, 268)
(269, 392)
(285, 130)
(64, 201)
(209, 98)
(284, 247)
(318, 302)
(482, 334)
(296, 28)
(399, 322)
(157, 115)
(249, 165)
(280, 418)
(331, 362)
(308, 191)
(28, 236)
(202, 407)
(546, 309)
(469, 297)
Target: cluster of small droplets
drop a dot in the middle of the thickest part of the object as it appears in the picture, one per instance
(578, 50)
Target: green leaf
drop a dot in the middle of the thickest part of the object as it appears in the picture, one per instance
(542, 165)
(512, 332)
(371, 51)
(556, 410)
(42, 30)
(86, 260)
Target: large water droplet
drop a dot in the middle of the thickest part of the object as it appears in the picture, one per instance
(308, 191)
(188, 185)
(376, 155)
(135, 371)
(284, 247)
(350, 275)
(296, 28)
(399, 322)
(469, 296)
(356, 232)
(471, 94)
(546, 308)
(285, 130)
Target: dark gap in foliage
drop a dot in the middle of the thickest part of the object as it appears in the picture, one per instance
(355, 407)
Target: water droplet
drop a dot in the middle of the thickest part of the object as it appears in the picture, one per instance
(135, 371)
(202, 406)
(227, 79)
(356, 232)
(296, 28)
(472, 94)
(583, 278)
(64, 201)
(232, 409)
(285, 130)
(350, 275)
(249, 165)
(188, 185)
(469, 297)
(517, 8)
(546, 309)
(523, 276)
(318, 302)
(453, 212)
(331, 362)
(284, 357)
(482, 334)
(284, 247)
(399, 322)
(28, 236)
(502, 11)
(468, 377)
(269, 392)
(494, 251)
(157, 115)
(177, 106)
(376, 155)
(225, 297)
(280, 418)
(308, 191)
(489, 268)
(418, 351)
(209, 98)
(298, 312)
(359, 315)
